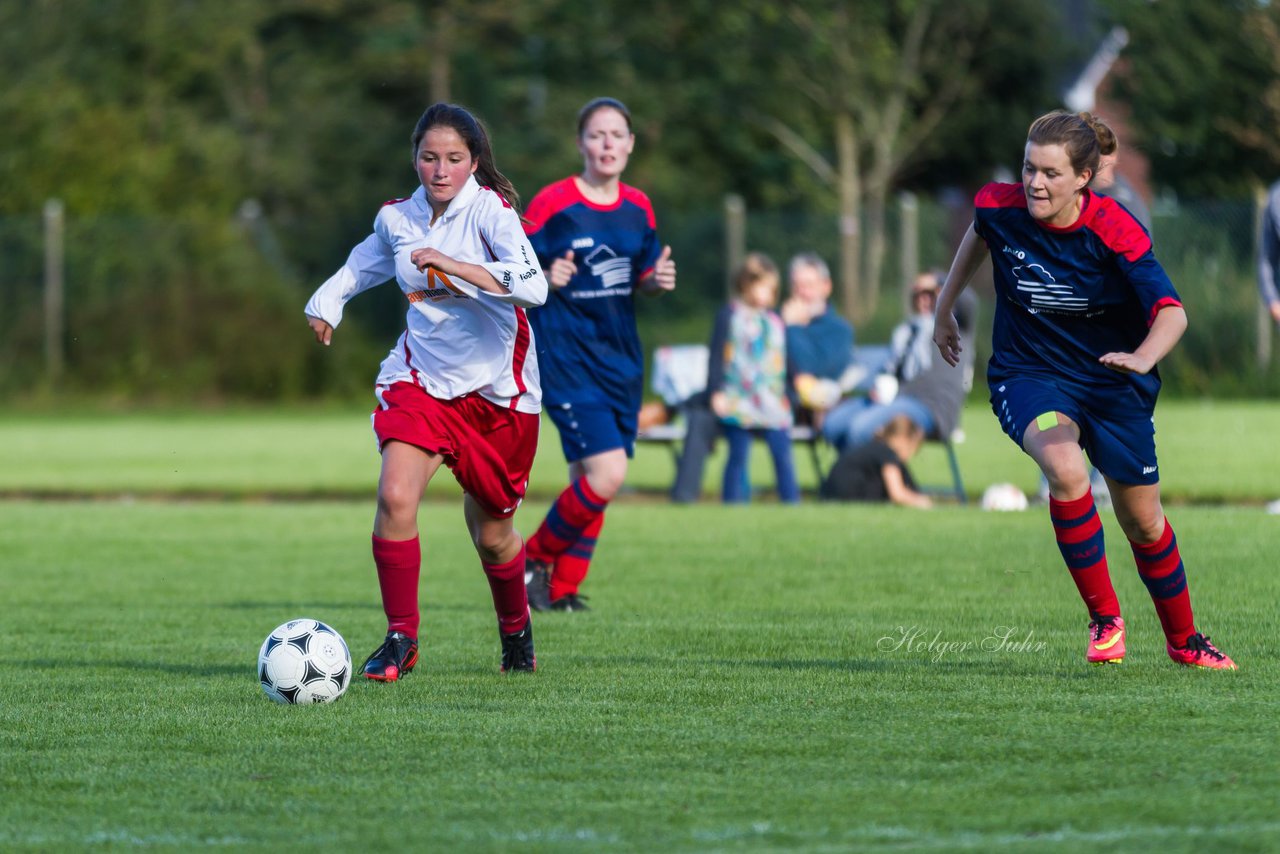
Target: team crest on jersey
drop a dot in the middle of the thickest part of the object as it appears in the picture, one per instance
(606, 265)
(1047, 294)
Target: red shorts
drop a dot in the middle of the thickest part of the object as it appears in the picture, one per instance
(489, 449)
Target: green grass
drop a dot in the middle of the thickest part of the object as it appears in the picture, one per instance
(743, 683)
(1210, 452)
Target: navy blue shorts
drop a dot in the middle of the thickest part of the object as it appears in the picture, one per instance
(586, 430)
(1117, 429)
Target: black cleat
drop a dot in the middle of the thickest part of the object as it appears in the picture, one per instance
(517, 650)
(396, 657)
(570, 602)
(537, 582)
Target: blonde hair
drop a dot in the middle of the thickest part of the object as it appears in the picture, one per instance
(1084, 136)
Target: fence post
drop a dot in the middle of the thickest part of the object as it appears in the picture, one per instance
(910, 245)
(735, 237)
(1264, 312)
(54, 263)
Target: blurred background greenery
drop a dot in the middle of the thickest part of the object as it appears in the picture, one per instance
(210, 163)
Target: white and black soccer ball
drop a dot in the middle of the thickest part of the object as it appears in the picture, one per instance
(1004, 496)
(304, 661)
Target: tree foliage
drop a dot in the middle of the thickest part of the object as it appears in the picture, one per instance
(218, 159)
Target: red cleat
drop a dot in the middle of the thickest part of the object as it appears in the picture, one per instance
(1106, 641)
(1198, 652)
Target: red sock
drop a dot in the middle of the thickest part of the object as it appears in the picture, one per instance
(574, 511)
(399, 563)
(1079, 533)
(1160, 566)
(510, 601)
(572, 565)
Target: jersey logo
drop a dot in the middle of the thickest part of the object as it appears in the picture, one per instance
(583, 242)
(612, 270)
(1046, 293)
(438, 287)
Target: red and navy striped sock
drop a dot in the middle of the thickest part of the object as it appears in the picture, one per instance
(510, 601)
(1079, 533)
(399, 564)
(1160, 565)
(572, 565)
(574, 511)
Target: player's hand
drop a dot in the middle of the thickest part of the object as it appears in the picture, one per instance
(1275, 311)
(323, 331)
(664, 271)
(562, 270)
(424, 258)
(1126, 363)
(946, 334)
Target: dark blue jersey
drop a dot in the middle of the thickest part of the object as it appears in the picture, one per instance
(1066, 296)
(588, 348)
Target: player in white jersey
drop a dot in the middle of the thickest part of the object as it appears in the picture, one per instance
(460, 387)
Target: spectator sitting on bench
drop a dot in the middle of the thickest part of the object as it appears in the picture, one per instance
(819, 341)
(819, 344)
(877, 470)
(916, 381)
(747, 380)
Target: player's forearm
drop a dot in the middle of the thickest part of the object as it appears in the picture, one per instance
(969, 257)
(1166, 330)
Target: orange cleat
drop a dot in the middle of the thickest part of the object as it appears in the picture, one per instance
(1106, 641)
(1200, 653)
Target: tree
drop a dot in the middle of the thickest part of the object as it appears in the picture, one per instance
(1201, 80)
(862, 91)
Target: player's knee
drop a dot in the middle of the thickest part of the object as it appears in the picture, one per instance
(396, 499)
(1145, 525)
(494, 545)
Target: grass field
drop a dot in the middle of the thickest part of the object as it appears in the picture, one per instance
(821, 677)
(1210, 452)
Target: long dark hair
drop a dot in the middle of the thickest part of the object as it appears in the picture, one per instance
(473, 133)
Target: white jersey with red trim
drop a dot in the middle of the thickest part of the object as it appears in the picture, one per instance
(459, 339)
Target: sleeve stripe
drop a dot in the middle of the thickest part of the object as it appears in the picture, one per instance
(1164, 302)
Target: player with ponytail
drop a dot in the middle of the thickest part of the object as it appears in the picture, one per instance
(460, 386)
(597, 239)
(1084, 313)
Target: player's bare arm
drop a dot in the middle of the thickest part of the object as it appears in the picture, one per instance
(946, 330)
(1166, 331)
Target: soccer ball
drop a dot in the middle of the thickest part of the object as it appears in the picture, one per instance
(1004, 496)
(304, 661)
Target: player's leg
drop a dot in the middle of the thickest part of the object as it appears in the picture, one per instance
(397, 554)
(1045, 422)
(1121, 443)
(501, 551)
(1159, 561)
(601, 476)
(597, 442)
(1053, 441)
